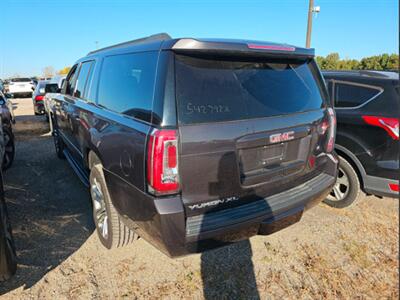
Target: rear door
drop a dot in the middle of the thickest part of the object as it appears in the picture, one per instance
(366, 111)
(247, 127)
(77, 114)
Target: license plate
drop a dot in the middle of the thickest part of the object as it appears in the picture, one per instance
(273, 154)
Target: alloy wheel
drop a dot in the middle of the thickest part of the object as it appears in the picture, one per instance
(341, 187)
(99, 208)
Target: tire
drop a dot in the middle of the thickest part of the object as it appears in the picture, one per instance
(8, 257)
(9, 149)
(341, 196)
(58, 144)
(112, 232)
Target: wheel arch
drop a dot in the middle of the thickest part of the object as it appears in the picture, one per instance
(91, 157)
(353, 161)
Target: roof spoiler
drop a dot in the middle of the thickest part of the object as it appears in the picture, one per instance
(151, 38)
(188, 45)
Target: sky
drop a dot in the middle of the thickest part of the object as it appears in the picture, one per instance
(56, 33)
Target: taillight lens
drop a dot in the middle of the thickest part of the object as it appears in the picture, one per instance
(391, 125)
(39, 98)
(329, 127)
(162, 162)
(394, 187)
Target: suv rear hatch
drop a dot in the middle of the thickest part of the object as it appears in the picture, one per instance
(247, 127)
(17, 85)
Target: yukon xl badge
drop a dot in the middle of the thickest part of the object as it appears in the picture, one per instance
(281, 137)
(213, 203)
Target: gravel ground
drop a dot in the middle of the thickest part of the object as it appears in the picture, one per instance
(348, 253)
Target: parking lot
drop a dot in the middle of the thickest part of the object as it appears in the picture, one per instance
(331, 253)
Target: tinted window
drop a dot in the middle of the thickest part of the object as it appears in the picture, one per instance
(82, 78)
(71, 81)
(51, 88)
(222, 90)
(127, 84)
(21, 80)
(348, 95)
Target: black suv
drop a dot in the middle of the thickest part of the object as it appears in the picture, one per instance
(367, 109)
(195, 143)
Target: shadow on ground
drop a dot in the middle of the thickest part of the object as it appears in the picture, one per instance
(228, 273)
(49, 210)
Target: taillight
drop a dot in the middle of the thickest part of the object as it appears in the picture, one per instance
(39, 98)
(162, 162)
(391, 125)
(329, 127)
(332, 130)
(394, 187)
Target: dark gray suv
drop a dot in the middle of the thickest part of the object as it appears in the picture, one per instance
(196, 143)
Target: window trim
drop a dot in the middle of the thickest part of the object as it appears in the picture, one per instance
(334, 81)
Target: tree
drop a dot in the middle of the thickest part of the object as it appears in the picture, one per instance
(48, 72)
(330, 62)
(64, 71)
(377, 62)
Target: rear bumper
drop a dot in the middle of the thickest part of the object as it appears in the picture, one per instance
(17, 90)
(163, 222)
(263, 217)
(38, 106)
(380, 186)
(263, 211)
(21, 94)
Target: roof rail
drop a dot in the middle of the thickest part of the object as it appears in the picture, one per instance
(151, 38)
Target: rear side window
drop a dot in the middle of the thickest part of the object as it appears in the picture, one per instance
(211, 90)
(351, 95)
(83, 78)
(127, 84)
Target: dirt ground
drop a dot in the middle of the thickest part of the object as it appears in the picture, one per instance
(348, 253)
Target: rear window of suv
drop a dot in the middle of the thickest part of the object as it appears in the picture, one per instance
(21, 80)
(210, 90)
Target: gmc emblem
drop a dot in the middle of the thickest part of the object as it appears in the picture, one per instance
(281, 137)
